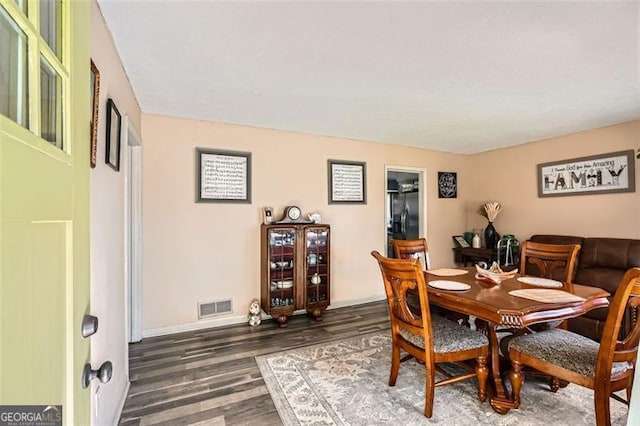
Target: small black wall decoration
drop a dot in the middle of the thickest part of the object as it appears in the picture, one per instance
(447, 185)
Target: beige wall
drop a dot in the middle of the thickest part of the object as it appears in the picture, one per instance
(201, 252)
(107, 228)
(509, 176)
(205, 252)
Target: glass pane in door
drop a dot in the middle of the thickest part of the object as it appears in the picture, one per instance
(50, 104)
(13, 71)
(51, 24)
(23, 5)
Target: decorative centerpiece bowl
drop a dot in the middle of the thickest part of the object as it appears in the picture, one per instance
(494, 274)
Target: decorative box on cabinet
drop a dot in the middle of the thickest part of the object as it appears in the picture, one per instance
(295, 270)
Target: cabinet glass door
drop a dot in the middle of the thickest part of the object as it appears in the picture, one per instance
(281, 267)
(317, 265)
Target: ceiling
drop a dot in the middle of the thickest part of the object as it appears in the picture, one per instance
(461, 77)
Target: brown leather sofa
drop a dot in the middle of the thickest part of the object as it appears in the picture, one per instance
(601, 263)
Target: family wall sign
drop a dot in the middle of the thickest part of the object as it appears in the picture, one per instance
(605, 173)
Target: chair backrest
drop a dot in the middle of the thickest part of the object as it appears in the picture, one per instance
(557, 261)
(412, 249)
(611, 349)
(400, 276)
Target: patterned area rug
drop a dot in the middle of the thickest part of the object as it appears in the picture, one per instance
(346, 383)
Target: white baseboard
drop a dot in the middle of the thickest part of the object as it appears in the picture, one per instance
(238, 319)
(354, 302)
(192, 326)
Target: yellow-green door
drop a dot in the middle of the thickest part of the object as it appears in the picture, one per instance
(44, 210)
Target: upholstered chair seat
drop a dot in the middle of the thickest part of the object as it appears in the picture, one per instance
(448, 336)
(565, 349)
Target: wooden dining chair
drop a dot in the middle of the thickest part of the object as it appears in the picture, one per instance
(553, 261)
(418, 249)
(432, 340)
(606, 367)
(412, 249)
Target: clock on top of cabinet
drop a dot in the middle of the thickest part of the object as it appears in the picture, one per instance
(295, 270)
(293, 214)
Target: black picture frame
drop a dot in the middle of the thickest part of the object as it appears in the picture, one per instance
(608, 173)
(460, 241)
(114, 127)
(447, 185)
(223, 176)
(347, 182)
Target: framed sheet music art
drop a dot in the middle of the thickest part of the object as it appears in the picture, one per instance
(223, 176)
(347, 182)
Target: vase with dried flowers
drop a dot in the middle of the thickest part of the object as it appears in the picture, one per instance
(491, 211)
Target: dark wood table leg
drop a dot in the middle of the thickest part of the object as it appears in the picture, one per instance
(500, 401)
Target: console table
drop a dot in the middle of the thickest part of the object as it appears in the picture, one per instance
(470, 256)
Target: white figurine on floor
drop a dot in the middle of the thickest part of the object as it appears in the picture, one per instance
(254, 313)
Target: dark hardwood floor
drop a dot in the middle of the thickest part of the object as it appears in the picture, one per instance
(210, 377)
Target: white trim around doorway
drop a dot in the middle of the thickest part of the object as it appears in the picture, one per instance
(422, 181)
(133, 233)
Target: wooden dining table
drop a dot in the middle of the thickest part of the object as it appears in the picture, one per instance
(493, 304)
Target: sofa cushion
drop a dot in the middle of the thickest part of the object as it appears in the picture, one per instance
(588, 327)
(616, 253)
(603, 262)
(605, 278)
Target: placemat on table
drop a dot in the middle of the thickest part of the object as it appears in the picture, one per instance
(540, 282)
(446, 272)
(546, 295)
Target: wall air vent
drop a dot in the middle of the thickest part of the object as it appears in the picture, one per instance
(214, 308)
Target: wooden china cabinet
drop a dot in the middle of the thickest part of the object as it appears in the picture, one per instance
(295, 270)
